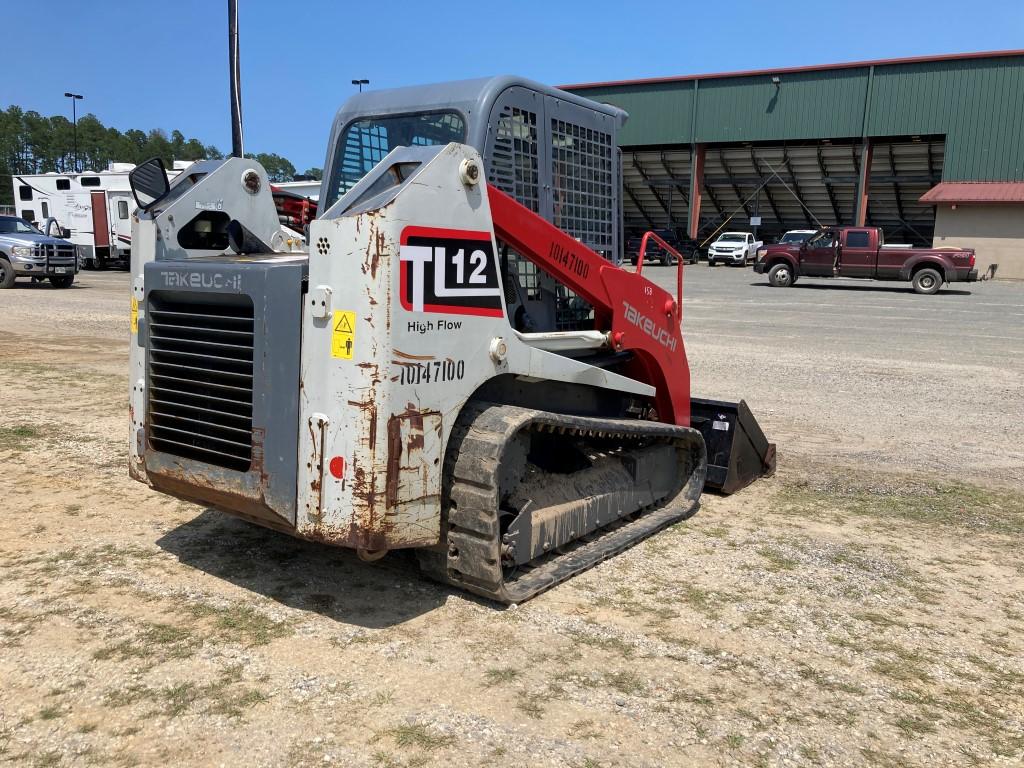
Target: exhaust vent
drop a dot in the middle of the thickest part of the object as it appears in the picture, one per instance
(200, 371)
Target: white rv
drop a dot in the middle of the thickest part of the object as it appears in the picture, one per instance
(92, 208)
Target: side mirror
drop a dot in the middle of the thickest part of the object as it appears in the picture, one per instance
(149, 182)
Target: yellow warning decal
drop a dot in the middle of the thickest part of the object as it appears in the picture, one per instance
(343, 335)
(135, 315)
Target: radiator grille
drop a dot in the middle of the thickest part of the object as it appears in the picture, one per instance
(200, 371)
(56, 255)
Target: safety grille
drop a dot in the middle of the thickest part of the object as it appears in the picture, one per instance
(200, 371)
(514, 169)
(582, 167)
(513, 166)
(56, 255)
(583, 204)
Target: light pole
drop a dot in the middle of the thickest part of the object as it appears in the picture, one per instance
(360, 83)
(74, 120)
(236, 81)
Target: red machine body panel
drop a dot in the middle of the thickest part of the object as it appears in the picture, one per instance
(643, 318)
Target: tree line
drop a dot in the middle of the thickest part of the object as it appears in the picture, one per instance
(32, 143)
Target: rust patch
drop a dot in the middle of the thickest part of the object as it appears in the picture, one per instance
(407, 356)
(378, 253)
(368, 407)
(374, 371)
(406, 441)
(394, 460)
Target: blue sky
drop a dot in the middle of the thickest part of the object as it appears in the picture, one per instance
(164, 64)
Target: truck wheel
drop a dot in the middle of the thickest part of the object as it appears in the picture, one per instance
(781, 276)
(6, 274)
(927, 281)
(62, 281)
(712, 263)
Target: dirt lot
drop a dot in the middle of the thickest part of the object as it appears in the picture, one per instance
(863, 607)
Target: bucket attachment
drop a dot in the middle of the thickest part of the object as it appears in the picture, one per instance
(738, 451)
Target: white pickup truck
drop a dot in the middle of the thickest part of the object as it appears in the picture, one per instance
(733, 248)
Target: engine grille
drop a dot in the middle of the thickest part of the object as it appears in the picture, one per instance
(56, 255)
(200, 371)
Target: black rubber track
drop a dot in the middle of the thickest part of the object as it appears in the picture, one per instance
(473, 481)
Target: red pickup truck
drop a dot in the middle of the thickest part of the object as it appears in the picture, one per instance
(861, 252)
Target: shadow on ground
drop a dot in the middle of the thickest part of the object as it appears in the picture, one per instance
(879, 288)
(304, 575)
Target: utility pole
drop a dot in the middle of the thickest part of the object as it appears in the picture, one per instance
(360, 83)
(74, 121)
(236, 85)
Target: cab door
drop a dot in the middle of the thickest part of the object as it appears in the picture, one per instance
(858, 255)
(818, 256)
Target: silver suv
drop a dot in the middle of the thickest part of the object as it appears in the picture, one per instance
(27, 252)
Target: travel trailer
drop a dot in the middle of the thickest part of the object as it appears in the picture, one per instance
(91, 209)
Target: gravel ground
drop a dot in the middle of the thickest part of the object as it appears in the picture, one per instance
(863, 607)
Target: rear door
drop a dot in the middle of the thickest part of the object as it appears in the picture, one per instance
(858, 255)
(120, 207)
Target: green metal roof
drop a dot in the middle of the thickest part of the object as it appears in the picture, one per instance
(975, 100)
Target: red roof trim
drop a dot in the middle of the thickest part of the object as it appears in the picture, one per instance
(790, 70)
(975, 192)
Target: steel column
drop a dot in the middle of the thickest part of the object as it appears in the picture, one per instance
(696, 185)
(864, 182)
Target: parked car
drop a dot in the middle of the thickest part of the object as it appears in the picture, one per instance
(861, 252)
(733, 248)
(797, 235)
(655, 254)
(27, 252)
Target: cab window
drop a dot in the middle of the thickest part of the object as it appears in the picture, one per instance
(366, 141)
(122, 209)
(858, 239)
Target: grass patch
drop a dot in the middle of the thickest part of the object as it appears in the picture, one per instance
(531, 705)
(500, 676)
(901, 669)
(777, 561)
(584, 729)
(16, 436)
(912, 726)
(154, 640)
(418, 736)
(927, 503)
(628, 683)
(222, 696)
(241, 623)
(610, 644)
(734, 740)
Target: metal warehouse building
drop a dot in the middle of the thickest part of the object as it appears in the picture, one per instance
(931, 149)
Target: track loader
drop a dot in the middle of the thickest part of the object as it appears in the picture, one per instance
(449, 361)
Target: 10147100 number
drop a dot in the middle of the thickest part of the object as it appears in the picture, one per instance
(435, 371)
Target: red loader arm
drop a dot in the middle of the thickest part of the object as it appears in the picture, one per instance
(643, 318)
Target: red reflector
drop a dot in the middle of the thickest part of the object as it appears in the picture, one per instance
(337, 467)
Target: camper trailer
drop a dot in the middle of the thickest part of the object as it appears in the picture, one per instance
(91, 209)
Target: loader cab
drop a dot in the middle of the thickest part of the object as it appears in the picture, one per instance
(554, 152)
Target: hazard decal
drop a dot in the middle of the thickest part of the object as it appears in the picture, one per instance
(449, 271)
(343, 334)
